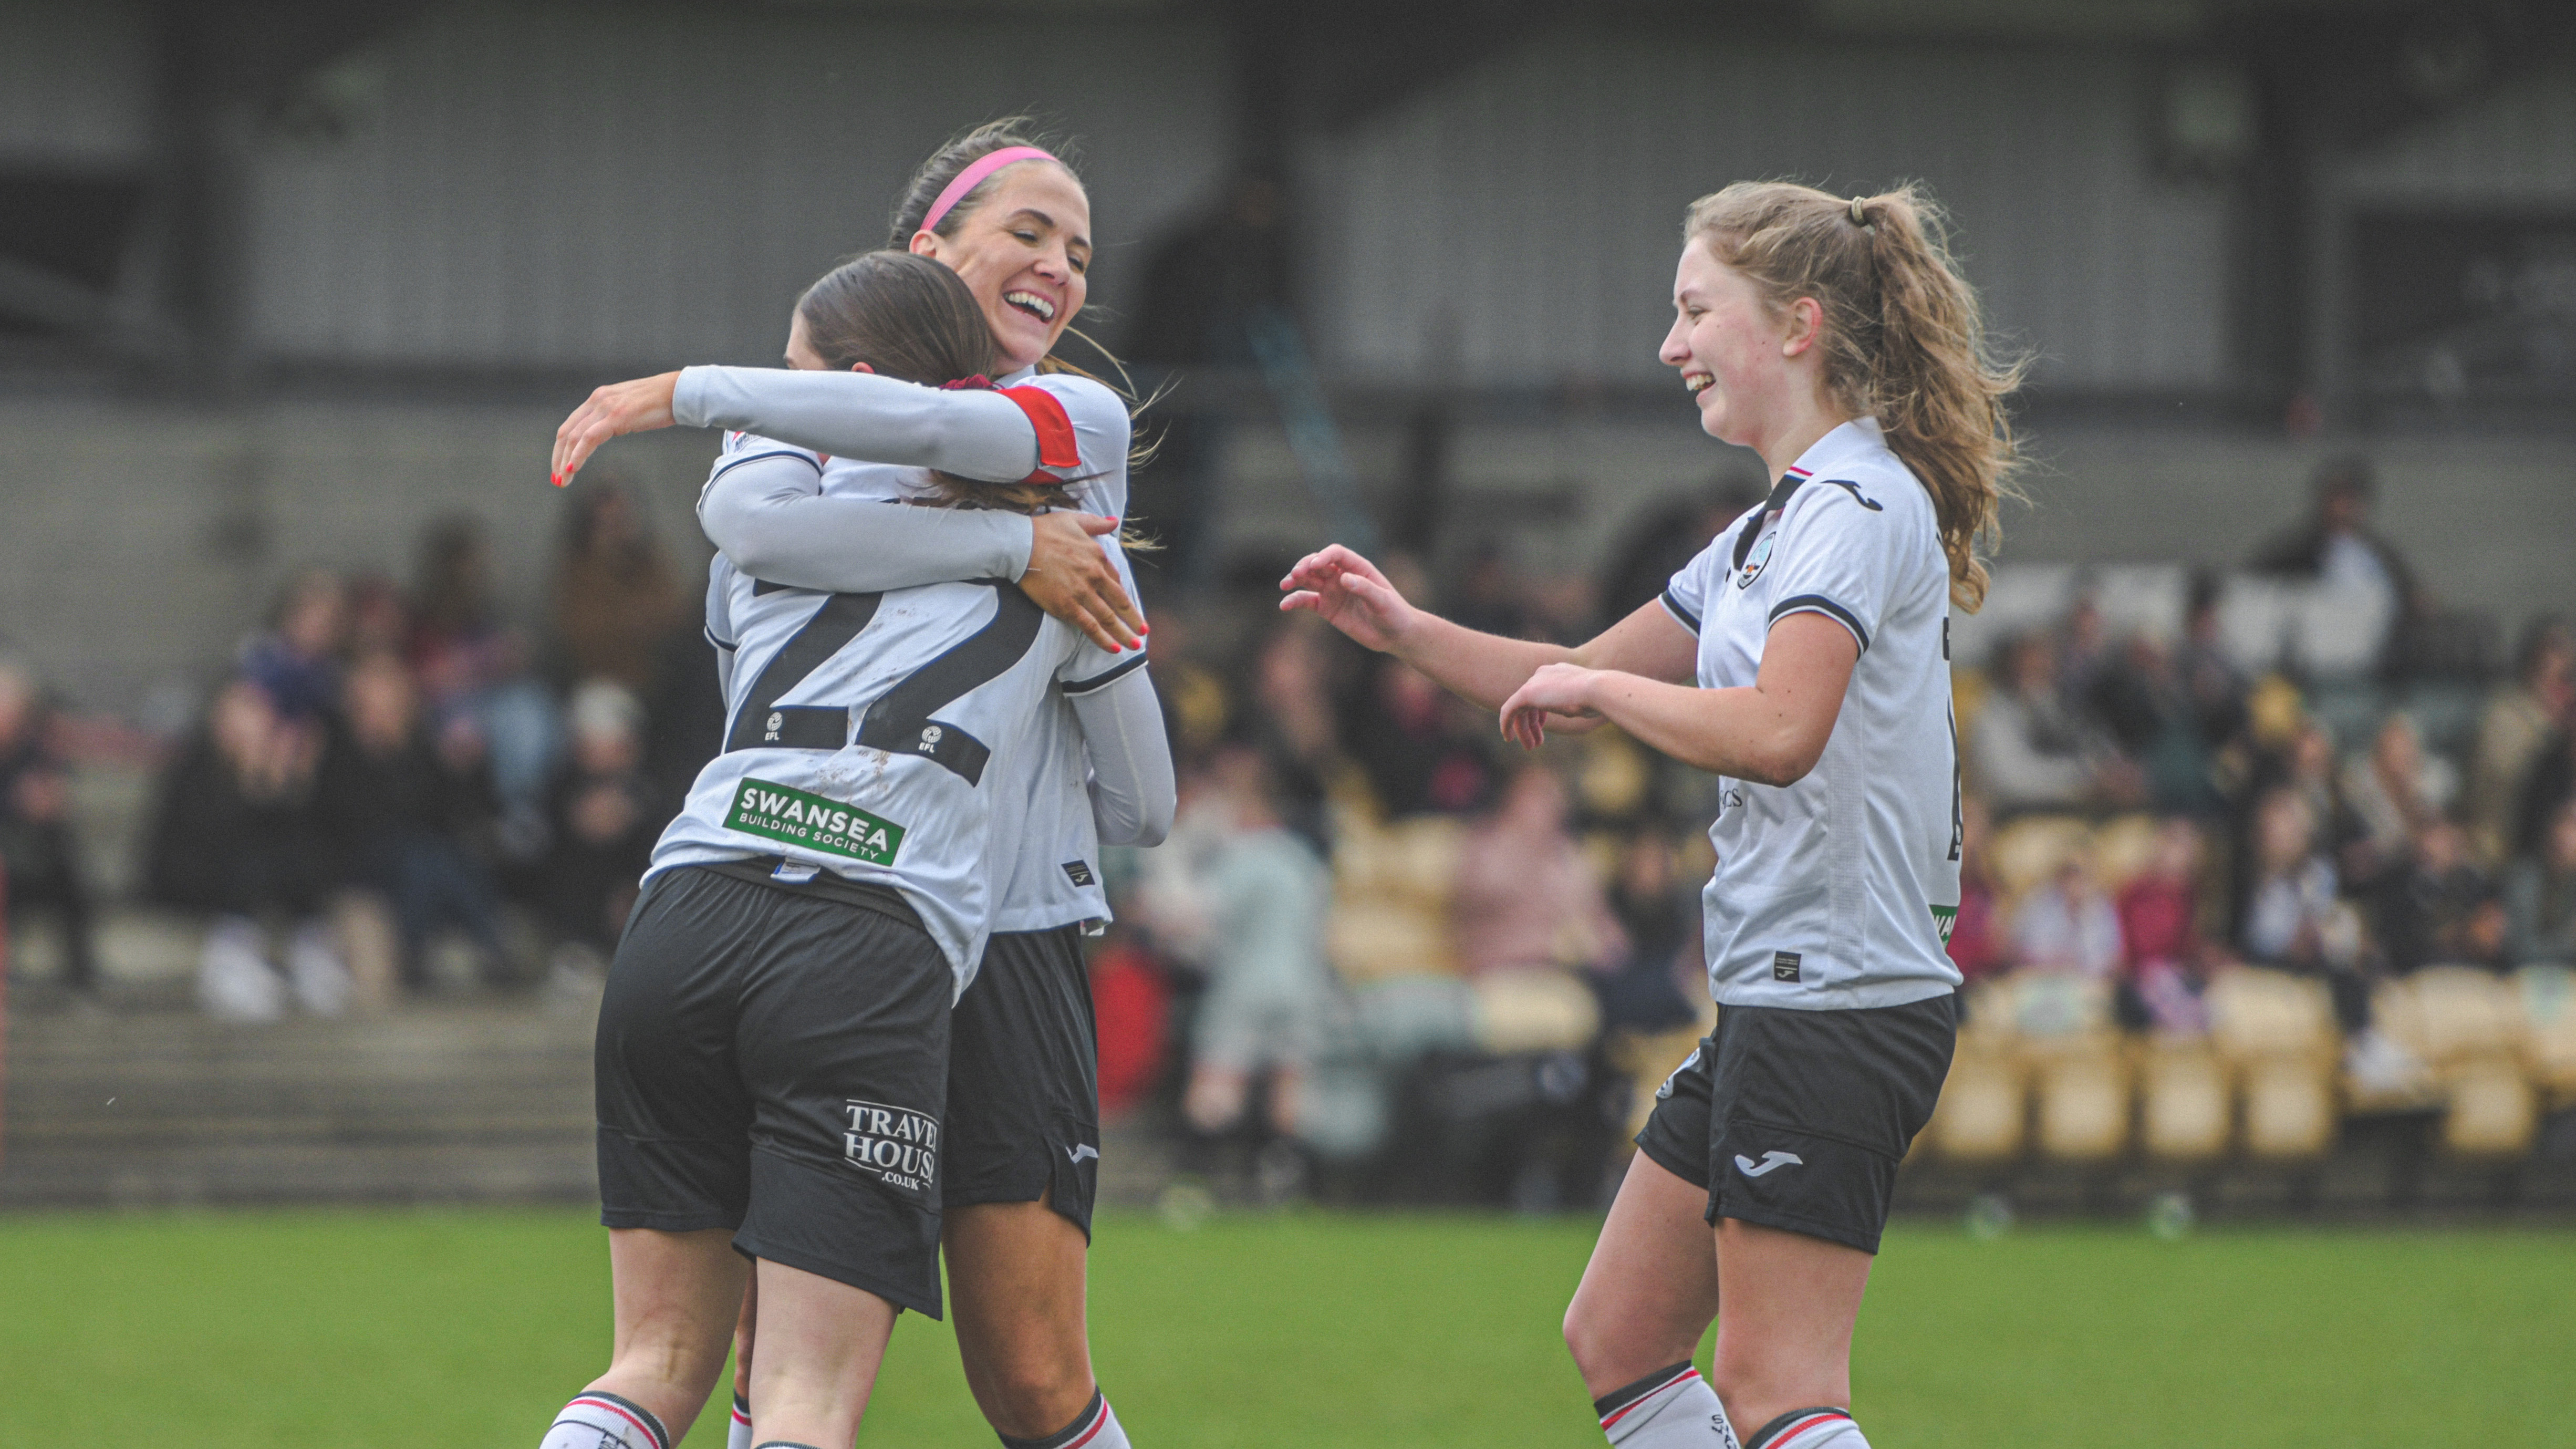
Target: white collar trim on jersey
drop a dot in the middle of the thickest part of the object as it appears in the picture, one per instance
(1859, 436)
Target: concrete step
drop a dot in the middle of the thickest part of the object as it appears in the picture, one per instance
(482, 1101)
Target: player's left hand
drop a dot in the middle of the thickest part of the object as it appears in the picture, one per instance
(612, 411)
(1559, 696)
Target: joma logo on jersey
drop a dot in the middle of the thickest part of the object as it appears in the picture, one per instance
(781, 812)
(896, 1144)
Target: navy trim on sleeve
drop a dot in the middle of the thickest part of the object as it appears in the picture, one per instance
(1104, 678)
(729, 464)
(1819, 604)
(1688, 619)
(719, 643)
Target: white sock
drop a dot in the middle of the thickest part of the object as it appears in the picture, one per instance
(605, 1421)
(738, 1432)
(1671, 1408)
(1810, 1429)
(1096, 1427)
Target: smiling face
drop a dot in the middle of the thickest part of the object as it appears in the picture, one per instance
(1023, 252)
(1741, 362)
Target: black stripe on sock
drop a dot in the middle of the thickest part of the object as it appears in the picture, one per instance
(652, 1425)
(1617, 1399)
(1789, 1418)
(1090, 1413)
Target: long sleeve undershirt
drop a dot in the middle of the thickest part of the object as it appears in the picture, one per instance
(1133, 792)
(770, 518)
(971, 433)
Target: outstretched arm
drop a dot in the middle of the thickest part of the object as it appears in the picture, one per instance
(1771, 733)
(1351, 595)
(971, 433)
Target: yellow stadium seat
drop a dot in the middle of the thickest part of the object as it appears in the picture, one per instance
(2030, 849)
(2493, 1112)
(1646, 1060)
(1982, 1115)
(1535, 1010)
(2257, 1014)
(2186, 1104)
(2548, 1005)
(2123, 849)
(2084, 1105)
(2449, 1014)
(2289, 1108)
(1371, 940)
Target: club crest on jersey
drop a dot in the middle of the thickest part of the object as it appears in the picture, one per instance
(784, 813)
(1753, 564)
(896, 1145)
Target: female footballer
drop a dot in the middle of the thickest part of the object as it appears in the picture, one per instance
(1835, 338)
(1013, 222)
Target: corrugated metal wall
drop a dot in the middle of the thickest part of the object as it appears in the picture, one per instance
(2517, 144)
(562, 184)
(1520, 222)
(75, 83)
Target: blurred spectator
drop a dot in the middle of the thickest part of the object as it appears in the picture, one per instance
(1526, 898)
(603, 819)
(410, 809)
(2167, 962)
(379, 622)
(2068, 924)
(2394, 795)
(2031, 750)
(235, 836)
(1489, 596)
(1667, 536)
(39, 860)
(1658, 981)
(1291, 722)
(2514, 734)
(2540, 897)
(615, 595)
(1270, 991)
(2427, 909)
(470, 664)
(2209, 677)
(2293, 917)
(296, 659)
(1418, 753)
(1977, 945)
(1131, 1002)
(2337, 546)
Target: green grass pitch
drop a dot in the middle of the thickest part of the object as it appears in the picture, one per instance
(364, 1328)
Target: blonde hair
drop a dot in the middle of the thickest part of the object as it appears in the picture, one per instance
(1903, 340)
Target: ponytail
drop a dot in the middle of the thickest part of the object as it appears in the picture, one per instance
(1903, 339)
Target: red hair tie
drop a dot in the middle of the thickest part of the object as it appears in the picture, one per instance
(979, 382)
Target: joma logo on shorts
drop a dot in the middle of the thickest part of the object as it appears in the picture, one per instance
(900, 1146)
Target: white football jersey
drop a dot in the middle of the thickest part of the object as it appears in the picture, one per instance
(1046, 856)
(1840, 890)
(870, 734)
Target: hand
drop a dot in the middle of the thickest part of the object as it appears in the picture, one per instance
(612, 411)
(1070, 577)
(1351, 595)
(1562, 691)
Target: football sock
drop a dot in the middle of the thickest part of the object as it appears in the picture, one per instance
(605, 1421)
(738, 1433)
(1671, 1408)
(1810, 1429)
(1094, 1428)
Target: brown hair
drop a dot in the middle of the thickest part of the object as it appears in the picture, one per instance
(1903, 340)
(909, 317)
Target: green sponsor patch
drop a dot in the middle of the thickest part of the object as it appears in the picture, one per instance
(763, 807)
(1945, 918)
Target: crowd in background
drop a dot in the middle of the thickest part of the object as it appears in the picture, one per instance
(398, 789)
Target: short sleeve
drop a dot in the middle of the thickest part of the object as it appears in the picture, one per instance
(1842, 554)
(1093, 668)
(1686, 596)
(741, 449)
(1096, 460)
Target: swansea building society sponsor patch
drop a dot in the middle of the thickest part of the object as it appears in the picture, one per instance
(781, 812)
(895, 1144)
(1945, 919)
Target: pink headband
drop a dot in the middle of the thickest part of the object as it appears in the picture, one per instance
(973, 176)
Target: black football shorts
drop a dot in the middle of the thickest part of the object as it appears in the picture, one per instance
(773, 1058)
(1797, 1119)
(1024, 1079)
